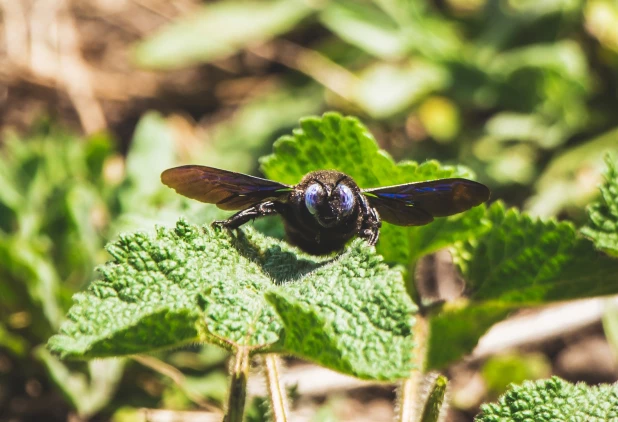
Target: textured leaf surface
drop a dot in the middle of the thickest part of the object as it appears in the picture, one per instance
(358, 326)
(190, 284)
(554, 400)
(157, 291)
(344, 144)
(603, 225)
(218, 30)
(517, 261)
(528, 261)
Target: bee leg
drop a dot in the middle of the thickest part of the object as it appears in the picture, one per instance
(370, 228)
(244, 216)
(241, 217)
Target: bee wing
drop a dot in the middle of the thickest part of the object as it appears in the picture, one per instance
(228, 189)
(415, 204)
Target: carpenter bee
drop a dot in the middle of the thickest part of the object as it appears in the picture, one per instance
(326, 208)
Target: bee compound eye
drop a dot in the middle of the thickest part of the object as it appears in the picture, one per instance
(314, 194)
(346, 199)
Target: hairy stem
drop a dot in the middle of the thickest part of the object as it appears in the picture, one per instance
(276, 390)
(238, 386)
(434, 402)
(409, 390)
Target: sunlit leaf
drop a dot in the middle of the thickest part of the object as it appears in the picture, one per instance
(218, 30)
(194, 284)
(553, 400)
(603, 225)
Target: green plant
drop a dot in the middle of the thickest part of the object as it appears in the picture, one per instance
(255, 295)
(553, 400)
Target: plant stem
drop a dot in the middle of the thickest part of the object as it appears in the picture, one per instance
(278, 397)
(238, 386)
(434, 402)
(409, 391)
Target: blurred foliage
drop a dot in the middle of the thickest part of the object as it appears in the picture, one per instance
(62, 199)
(610, 326)
(501, 370)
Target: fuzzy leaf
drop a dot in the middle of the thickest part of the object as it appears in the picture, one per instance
(194, 284)
(344, 144)
(356, 327)
(603, 225)
(528, 261)
(553, 400)
(519, 261)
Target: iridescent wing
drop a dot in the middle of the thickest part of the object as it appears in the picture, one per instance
(415, 204)
(228, 189)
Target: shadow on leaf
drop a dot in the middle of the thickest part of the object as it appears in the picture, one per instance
(279, 264)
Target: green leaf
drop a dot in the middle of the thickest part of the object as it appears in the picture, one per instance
(553, 400)
(196, 284)
(565, 58)
(152, 151)
(455, 330)
(603, 225)
(514, 368)
(219, 30)
(341, 316)
(154, 295)
(385, 89)
(517, 261)
(14, 343)
(344, 144)
(365, 26)
(526, 261)
(557, 188)
(425, 31)
(89, 392)
(29, 280)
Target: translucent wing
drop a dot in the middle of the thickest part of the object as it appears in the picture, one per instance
(228, 189)
(415, 204)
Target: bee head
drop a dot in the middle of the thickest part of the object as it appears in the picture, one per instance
(329, 203)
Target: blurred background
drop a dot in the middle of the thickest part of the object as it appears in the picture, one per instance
(98, 96)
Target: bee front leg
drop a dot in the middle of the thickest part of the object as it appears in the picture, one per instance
(259, 210)
(370, 228)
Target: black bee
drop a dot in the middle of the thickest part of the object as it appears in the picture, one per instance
(327, 208)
